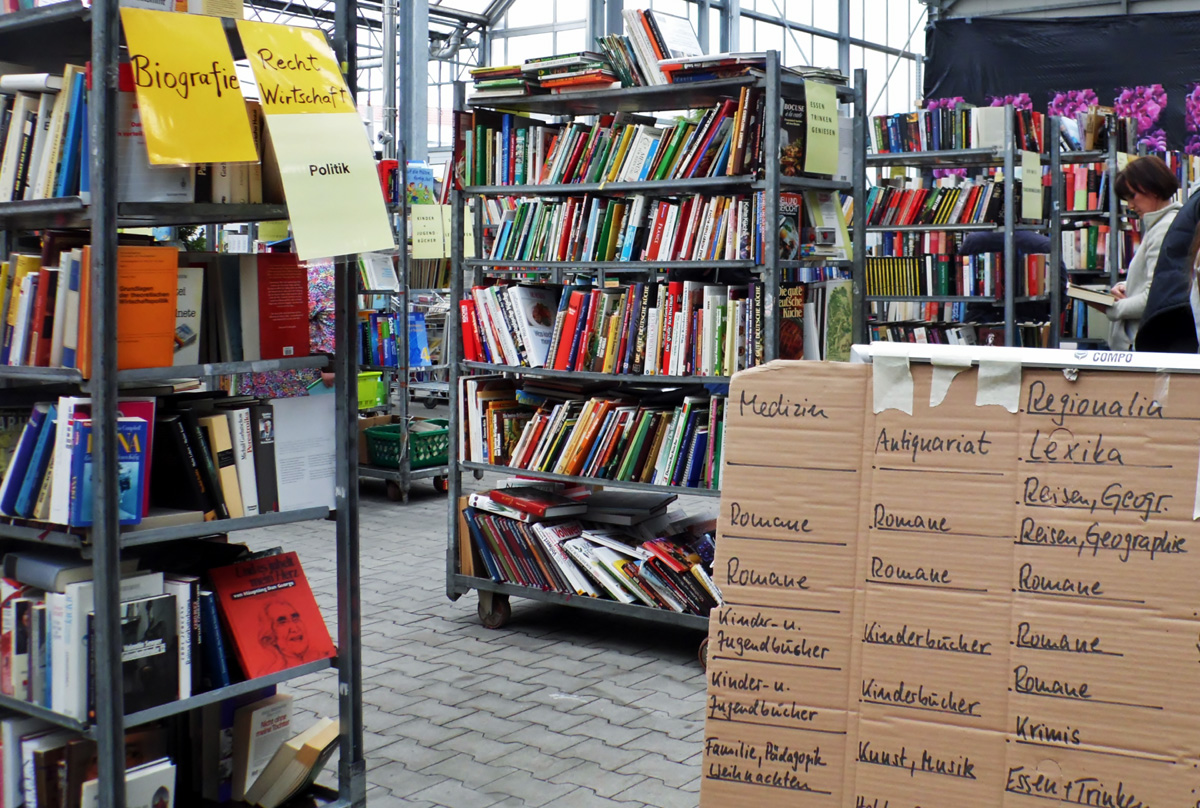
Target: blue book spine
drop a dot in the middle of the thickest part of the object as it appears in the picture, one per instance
(373, 340)
(936, 124)
(506, 133)
(718, 166)
(696, 459)
(80, 506)
(19, 463)
(85, 164)
(132, 437)
(72, 147)
(40, 457)
(649, 160)
(484, 553)
(68, 352)
(212, 644)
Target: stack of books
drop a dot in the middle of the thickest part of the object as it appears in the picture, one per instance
(571, 72)
(622, 546)
(501, 81)
(964, 127)
(650, 37)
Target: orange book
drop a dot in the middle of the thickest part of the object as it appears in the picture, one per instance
(658, 54)
(271, 614)
(147, 285)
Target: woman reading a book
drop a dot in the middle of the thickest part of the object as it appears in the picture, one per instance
(1148, 186)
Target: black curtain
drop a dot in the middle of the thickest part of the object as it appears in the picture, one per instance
(979, 59)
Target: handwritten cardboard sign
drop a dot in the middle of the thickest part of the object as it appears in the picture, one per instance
(334, 200)
(187, 89)
(964, 606)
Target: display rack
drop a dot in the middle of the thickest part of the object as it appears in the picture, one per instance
(45, 39)
(1005, 157)
(494, 607)
(1114, 215)
(399, 377)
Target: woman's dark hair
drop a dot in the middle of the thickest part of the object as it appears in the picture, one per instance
(1146, 175)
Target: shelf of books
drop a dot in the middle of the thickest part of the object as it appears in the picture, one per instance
(131, 618)
(595, 383)
(941, 262)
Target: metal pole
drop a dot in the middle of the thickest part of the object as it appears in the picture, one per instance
(403, 371)
(1114, 207)
(858, 176)
(106, 537)
(773, 111)
(451, 343)
(1054, 270)
(389, 64)
(352, 778)
(1010, 211)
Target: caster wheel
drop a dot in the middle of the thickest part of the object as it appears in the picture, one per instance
(394, 493)
(441, 485)
(494, 610)
(702, 654)
(431, 403)
(478, 475)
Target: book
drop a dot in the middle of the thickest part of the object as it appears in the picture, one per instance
(189, 309)
(273, 618)
(220, 445)
(259, 729)
(12, 730)
(626, 507)
(50, 570)
(282, 308)
(39, 458)
(537, 502)
(1091, 294)
(262, 433)
(151, 785)
(149, 654)
(186, 591)
(147, 295)
(791, 320)
(295, 764)
(215, 667)
(178, 482)
(132, 438)
(80, 764)
(18, 465)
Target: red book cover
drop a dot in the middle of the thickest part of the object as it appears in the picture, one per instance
(545, 167)
(282, 306)
(589, 327)
(568, 219)
(537, 502)
(470, 337)
(674, 304)
(569, 323)
(42, 326)
(271, 614)
(656, 230)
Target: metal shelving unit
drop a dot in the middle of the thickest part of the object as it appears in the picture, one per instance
(1007, 159)
(43, 39)
(493, 597)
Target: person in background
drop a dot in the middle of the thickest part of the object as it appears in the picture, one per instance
(1169, 324)
(1025, 242)
(1148, 186)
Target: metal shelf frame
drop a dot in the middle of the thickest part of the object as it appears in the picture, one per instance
(44, 39)
(775, 83)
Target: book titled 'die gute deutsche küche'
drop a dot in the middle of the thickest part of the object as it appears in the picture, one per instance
(271, 614)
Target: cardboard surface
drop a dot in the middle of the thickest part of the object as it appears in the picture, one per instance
(964, 606)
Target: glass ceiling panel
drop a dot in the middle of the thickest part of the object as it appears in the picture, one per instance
(473, 6)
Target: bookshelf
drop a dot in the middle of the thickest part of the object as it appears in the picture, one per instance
(494, 606)
(43, 39)
(1006, 157)
(399, 479)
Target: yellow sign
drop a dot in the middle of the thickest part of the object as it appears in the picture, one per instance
(821, 149)
(295, 69)
(332, 189)
(428, 231)
(273, 231)
(448, 230)
(187, 89)
(1031, 185)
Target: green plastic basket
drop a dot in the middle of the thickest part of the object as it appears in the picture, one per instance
(425, 448)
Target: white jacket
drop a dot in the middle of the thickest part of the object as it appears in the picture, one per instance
(1126, 314)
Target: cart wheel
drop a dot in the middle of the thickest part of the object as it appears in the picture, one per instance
(702, 654)
(441, 485)
(394, 493)
(494, 609)
(431, 403)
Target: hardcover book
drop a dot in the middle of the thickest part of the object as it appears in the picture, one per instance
(271, 613)
(792, 297)
(537, 501)
(149, 654)
(132, 435)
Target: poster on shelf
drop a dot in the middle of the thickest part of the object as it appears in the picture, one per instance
(821, 154)
(187, 88)
(325, 160)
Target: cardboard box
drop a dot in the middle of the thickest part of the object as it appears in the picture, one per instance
(952, 586)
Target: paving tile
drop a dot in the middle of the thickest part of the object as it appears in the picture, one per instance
(529, 790)
(659, 794)
(656, 766)
(452, 794)
(602, 780)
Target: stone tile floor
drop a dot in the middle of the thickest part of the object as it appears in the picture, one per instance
(561, 708)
